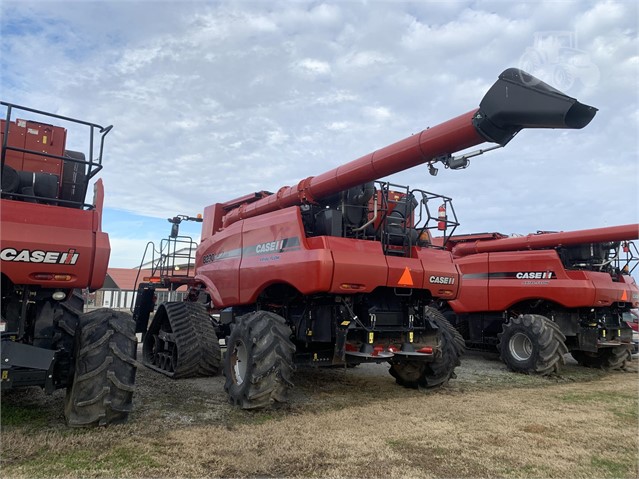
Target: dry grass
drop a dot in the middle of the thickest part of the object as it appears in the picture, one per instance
(348, 424)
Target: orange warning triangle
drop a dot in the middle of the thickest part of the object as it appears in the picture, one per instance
(406, 279)
(624, 296)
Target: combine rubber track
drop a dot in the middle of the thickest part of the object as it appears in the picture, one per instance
(181, 342)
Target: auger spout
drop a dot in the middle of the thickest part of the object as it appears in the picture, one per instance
(549, 240)
(516, 101)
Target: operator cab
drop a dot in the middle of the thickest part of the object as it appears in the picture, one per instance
(614, 258)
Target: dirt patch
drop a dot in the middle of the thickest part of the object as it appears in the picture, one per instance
(357, 422)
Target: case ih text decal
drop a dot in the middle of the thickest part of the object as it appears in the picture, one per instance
(513, 275)
(441, 280)
(535, 275)
(39, 256)
(278, 246)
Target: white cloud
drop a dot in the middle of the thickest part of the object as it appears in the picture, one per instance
(367, 59)
(313, 66)
(378, 114)
(339, 126)
(129, 251)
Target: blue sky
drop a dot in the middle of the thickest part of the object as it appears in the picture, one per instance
(213, 100)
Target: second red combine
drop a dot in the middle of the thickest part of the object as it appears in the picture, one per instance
(338, 269)
(540, 296)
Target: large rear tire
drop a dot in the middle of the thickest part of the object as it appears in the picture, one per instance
(532, 344)
(460, 325)
(449, 349)
(616, 357)
(259, 361)
(105, 367)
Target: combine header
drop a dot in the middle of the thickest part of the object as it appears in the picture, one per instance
(536, 297)
(339, 269)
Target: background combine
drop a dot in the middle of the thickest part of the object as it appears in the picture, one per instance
(540, 296)
(339, 269)
(52, 246)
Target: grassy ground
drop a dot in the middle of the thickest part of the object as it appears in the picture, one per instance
(356, 423)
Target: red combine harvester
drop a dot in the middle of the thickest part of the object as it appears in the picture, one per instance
(539, 296)
(339, 269)
(52, 247)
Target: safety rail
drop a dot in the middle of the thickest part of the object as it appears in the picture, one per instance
(167, 270)
(628, 262)
(415, 229)
(77, 178)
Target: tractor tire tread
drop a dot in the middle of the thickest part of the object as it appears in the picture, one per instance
(270, 361)
(428, 375)
(548, 343)
(103, 385)
(611, 358)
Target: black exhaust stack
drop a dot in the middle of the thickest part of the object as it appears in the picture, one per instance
(518, 100)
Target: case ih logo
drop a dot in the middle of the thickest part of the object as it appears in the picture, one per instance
(39, 256)
(269, 247)
(441, 280)
(535, 275)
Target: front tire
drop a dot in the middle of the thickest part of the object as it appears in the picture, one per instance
(258, 363)
(105, 367)
(426, 375)
(616, 357)
(532, 344)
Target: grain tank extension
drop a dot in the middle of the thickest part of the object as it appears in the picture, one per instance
(339, 269)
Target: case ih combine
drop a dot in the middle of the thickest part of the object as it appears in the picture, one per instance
(536, 297)
(338, 269)
(52, 246)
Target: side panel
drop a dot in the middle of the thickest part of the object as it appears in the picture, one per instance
(101, 261)
(519, 276)
(360, 266)
(217, 262)
(441, 275)
(102, 244)
(608, 291)
(212, 220)
(275, 251)
(38, 238)
(405, 272)
(473, 294)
